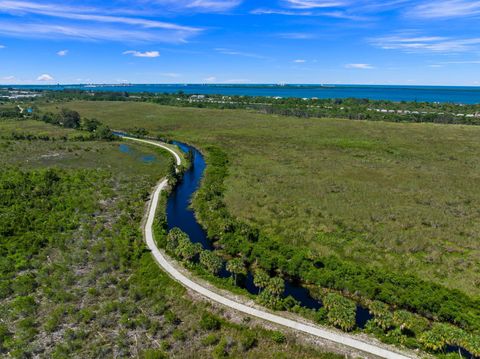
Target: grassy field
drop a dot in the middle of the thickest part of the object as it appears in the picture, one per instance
(75, 277)
(31, 127)
(400, 196)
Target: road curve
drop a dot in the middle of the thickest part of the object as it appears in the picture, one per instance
(340, 338)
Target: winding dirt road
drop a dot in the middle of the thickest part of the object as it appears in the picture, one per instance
(336, 337)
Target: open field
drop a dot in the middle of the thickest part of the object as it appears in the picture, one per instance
(76, 279)
(400, 196)
(31, 127)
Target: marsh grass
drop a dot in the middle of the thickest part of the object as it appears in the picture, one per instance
(404, 197)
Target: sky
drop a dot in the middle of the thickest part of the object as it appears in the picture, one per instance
(405, 42)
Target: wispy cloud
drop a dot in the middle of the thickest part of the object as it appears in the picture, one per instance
(359, 10)
(359, 66)
(149, 54)
(205, 6)
(85, 32)
(62, 53)
(411, 42)
(45, 78)
(8, 78)
(225, 51)
(314, 4)
(299, 61)
(444, 9)
(281, 12)
(91, 23)
(210, 79)
(296, 35)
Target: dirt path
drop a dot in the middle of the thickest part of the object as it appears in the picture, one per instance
(339, 338)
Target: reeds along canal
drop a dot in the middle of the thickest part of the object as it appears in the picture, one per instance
(180, 215)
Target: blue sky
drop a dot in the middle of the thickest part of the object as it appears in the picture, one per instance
(240, 41)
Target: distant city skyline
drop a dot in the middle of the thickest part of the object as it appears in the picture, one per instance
(233, 41)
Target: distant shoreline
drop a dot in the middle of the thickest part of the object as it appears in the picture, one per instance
(396, 93)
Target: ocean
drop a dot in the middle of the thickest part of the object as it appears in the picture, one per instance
(461, 95)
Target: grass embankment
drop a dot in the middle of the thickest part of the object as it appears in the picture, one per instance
(402, 197)
(75, 276)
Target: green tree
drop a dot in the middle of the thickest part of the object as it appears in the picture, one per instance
(276, 286)
(69, 118)
(211, 262)
(260, 279)
(341, 311)
(382, 316)
(187, 250)
(173, 238)
(409, 321)
(90, 125)
(441, 335)
(237, 267)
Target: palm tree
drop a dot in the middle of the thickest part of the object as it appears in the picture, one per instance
(211, 262)
(276, 286)
(236, 267)
(260, 279)
(382, 315)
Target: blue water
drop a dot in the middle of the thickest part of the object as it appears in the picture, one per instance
(180, 215)
(124, 148)
(148, 158)
(144, 158)
(455, 94)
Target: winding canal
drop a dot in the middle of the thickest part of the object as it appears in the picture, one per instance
(180, 215)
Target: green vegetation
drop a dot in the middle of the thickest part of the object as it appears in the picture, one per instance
(366, 208)
(351, 108)
(306, 181)
(76, 279)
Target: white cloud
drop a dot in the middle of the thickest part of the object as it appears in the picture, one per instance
(409, 42)
(62, 53)
(206, 6)
(149, 54)
(353, 10)
(45, 77)
(8, 78)
(446, 9)
(299, 61)
(359, 66)
(280, 12)
(86, 32)
(296, 36)
(210, 79)
(2, 46)
(314, 4)
(225, 51)
(94, 27)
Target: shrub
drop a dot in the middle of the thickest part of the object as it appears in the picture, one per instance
(210, 339)
(341, 312)
(209, 322)
(278, 337)
(248, 341)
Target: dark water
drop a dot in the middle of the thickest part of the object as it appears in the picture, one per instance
(128, 150)
(455, 94)
(179, 214)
